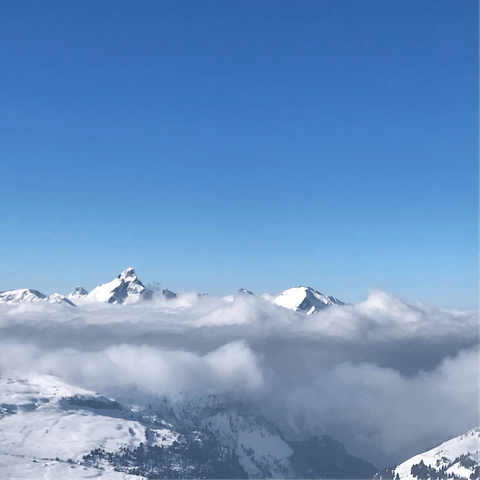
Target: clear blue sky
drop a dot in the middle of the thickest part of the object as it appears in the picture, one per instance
(213, 145)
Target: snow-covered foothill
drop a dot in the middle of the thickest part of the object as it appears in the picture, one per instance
(456, 458)
(50, 429)
(41, 437)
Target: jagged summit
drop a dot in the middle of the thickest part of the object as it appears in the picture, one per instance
(127, 274)
(305, 299)
(126, 287)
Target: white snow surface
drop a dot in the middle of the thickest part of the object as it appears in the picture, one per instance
(446, 453)
(305, 299)
(126, 288)
(40, 438)
(48, 426)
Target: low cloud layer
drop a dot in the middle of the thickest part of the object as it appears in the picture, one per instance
(384, 377)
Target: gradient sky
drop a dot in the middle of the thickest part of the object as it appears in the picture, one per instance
(222, 144)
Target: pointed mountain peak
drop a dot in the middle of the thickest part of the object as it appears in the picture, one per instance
(79, 292)
(305, 299)
(126, 287)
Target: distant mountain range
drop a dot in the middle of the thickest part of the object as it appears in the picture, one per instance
(127, 288)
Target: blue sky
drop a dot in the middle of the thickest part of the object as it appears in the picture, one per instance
(215, 145)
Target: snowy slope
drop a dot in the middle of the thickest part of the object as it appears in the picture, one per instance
(49, 429)
(40, 437)
(27, 295)
(259, 446)
(305, 299)
(457, 457)
(125, 288)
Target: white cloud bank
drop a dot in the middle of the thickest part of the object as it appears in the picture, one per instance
(384, 377)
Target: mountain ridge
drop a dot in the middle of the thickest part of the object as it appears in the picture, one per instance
(127, 288)
(23, 295)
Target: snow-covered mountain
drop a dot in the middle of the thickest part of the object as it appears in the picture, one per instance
(29, 295)
(305, 299)
(57, 298)
(125, 288)
(78, 293)
(44, 434)
(21, 295)
(458, 458)
(244, 291)
(49, 429)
